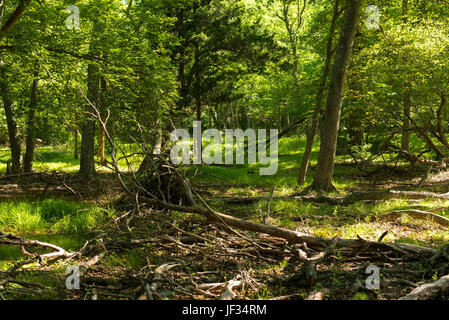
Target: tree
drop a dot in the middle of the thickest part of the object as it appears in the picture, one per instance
(406, 127)
(331, 121)
(8, 104)
(11, 119)
(319, 99)
(30, 139)
(87, 160)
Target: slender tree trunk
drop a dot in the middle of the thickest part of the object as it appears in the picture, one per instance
(30, 139)
(87, 161)
(237, 116)
(311, 132)
(331, 123)
(14, 140)
(406, 127)
(198, 111)
(101, 137)
(356, 131)
(75, 152)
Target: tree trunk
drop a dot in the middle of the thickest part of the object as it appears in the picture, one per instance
(75, 152)
(30, 143)
(406, 127)
(331, 123)
(237, 116)
(101, 138)
(87, 161)
(311, 132)
(355, 130)
(14, 140)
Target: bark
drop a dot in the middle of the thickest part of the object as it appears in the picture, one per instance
(14, 140)
(319, 100)
(331, 123)
(30, 139)
(87, 161)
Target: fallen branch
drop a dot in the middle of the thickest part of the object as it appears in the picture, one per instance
(57, 253)
(417, 214)
(428, 290)
(349, 199)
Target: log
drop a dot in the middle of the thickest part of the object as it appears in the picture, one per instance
(428, 290)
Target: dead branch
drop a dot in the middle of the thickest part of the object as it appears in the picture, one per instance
(57, 253)
(350, 198)
(417, 214)
(428, 290)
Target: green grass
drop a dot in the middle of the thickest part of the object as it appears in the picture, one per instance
(49, 216)
(63, 223)
(60, 158)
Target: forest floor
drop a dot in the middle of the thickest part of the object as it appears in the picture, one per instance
(126, 251)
